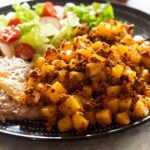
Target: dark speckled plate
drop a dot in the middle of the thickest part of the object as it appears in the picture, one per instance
(35, 129)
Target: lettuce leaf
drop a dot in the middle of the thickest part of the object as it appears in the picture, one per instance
(91, 14)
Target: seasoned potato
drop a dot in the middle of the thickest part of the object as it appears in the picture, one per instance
(103, 117)
(113, 91)
(140, 110)
(125, 104)
(123, 118)
(80, 122)
(72, 105)
(112, 105)
(146, 101)
(55, 91)
(65, 124)
(66, 55)
(131, 75)
(39, 62)
(87, 91)
(117, 71)
(93, 69)
(91, 116)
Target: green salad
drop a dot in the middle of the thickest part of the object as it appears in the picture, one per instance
(31, 29)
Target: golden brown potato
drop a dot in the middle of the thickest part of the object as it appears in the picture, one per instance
(91, 116)
(93, 69)
(80, 122)
(140, 110)
(112, 105)
(66, 55)
(55, 91)
(103, 117)
(117, 71)
(113, 91)
(131, 75)
(123, 118)
(65, 124)
(39, 62)
(72, 105)
(125, 104)
(87, 91)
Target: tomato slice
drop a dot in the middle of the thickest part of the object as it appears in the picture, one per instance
(14, 21)
(23, 50)
(10, 34)
(49, 10)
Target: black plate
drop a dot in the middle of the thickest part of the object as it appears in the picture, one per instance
(35, 129)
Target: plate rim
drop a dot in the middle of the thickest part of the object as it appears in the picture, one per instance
(87, 136)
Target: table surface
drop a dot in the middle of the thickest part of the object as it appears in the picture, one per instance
(134, 139)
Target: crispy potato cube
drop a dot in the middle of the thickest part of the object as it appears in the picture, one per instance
(93, 69)
(112, 105)
(72, 105)
(103, 117)
(125, 104)
(46, 68)
(91, 116)
(66, 45)
(82, 100)
(87, 91)
(123, 118)
(117, 71)
(146, 101)
(40, 87)
(80, 122)
(51, 54)
(55, 91)
(65, 124)
(75, 76)
(86, 52)
(49, 112)
(97, 45)
(131, 75)
(58, 64)
(32, 82)
(146, 62)
(66, 55)
(134, 57)
(140, 110)
(39, 62)
(113, 91)
(97, 58)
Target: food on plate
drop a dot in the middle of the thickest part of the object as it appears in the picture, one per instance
(77, 67)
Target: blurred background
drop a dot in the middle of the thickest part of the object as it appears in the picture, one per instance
(143, 5)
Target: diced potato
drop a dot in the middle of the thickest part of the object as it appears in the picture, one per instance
(101, 76)
(125, 104)
(87, 91)
(93, 69)
(112, 105)
(66, 45)
(113, 91)
(32, 82)
(117, 71)
(134, 57)
(91, 116)
(58, 64)
(65, 124)
(123, 118)
(145, 74)
(49, 112)
(131, 75)
(66, 55)
(146, 62)
(72, 105)
(140, 110)
(82, 100)
(80, 122)
(103, 117)
(39, 62)
(51, 54)
(97, 45)
(46, 68)
(97, 58)
(40, 87)
(85, 52)
(75, 76)
(55, 91)
(146, 101)
(147, 91)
